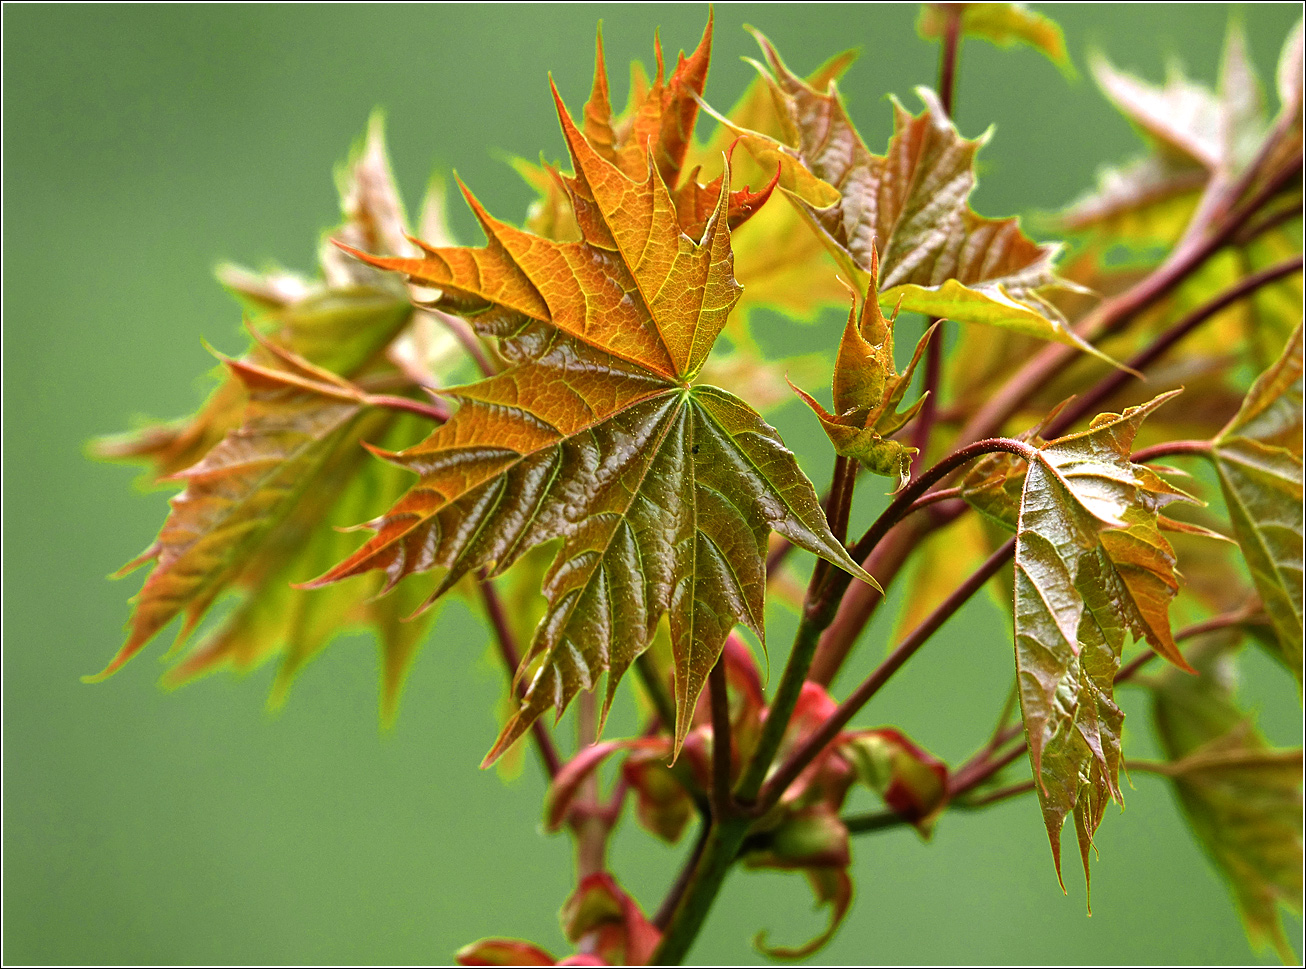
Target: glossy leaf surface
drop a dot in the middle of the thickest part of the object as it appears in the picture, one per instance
(936, 256)
(1090, 564)
(1258, 457)
(663, 492)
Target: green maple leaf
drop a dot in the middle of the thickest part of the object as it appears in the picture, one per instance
(1003, 24)
(1242, 798)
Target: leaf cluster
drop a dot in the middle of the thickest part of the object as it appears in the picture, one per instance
(620, 468)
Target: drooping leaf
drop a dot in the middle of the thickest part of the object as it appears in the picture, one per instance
(662, 491)
(1242, 798)
(1258, 457)
(936, 256)
(868, 391)
(1003, 24)
(814, 841)
(1090, 564)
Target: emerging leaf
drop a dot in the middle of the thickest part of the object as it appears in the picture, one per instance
(1242, 799)
(936, 256)
(1003, 24)
(1258, 457)
(602, 919)
(1090, 563)
(868, 391)
(911, 781)
(814, 841)
(663, 492)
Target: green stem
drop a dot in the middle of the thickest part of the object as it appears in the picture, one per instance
(829, 730)
(724, 839)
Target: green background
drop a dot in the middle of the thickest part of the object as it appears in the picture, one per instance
(142, 145)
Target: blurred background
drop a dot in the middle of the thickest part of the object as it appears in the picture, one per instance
(144, 144)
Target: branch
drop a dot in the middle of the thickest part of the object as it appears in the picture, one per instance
(1248, 614)
(1116, 313)
(854, 610)
(828, 731)
(723, 804)
(511, 661)
(948, 57)
(1170, 449)
(1090, 402)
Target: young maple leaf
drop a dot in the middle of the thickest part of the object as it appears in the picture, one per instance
(868, 391)
(270, 465)
(662, 491)
(936, 255)
(1090, 564)
(1258, 457)
(1242, 797)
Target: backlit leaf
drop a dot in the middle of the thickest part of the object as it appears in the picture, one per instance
(1003, 24)
(271, 464)
(663, 491)
(1242, 798)
(936, 256)
(1258, 457)
(1090, 564)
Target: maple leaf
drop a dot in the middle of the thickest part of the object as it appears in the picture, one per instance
(271, 462)
(1197, 136)
(1090, 563)
(662, 491)
(1003, 24)
(1258, 457)
(936, 256)
(868, 391)
(1242, 798)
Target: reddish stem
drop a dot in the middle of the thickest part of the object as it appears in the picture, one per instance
(1116, 313)
(723, 804)
(1090, 402)
(512, 660)
(827, 732)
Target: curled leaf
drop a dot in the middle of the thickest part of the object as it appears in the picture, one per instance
(868, 391)
(912, 782)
